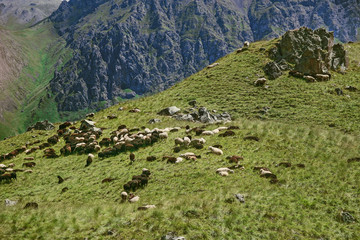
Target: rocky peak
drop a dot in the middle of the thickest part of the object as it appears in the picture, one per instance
(311, 51)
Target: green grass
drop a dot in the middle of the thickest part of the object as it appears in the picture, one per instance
(190, 198)
(41, 49)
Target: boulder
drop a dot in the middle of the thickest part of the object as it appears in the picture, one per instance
(87, 125)
(9, 203)
(43, 125)
(311, 51)
(170, 111)
(172, 236)
(154, 120)
(272, 70)
(240, 197)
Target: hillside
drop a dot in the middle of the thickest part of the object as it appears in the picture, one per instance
(22, 13)
(28, 60)
(306, 124)
(130, 48)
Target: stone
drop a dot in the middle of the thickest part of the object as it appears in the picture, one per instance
(87, 125)
(312, 51)
(172, 236)
(345, 217)
(43, 125)
(9, 203)
(272, 70)
(339, 92)
(170, 111)
(184, 117)
(146, 207)
(154, 120)
(240, 197)
(206, 117)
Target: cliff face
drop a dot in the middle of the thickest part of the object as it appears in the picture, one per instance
(128, 47)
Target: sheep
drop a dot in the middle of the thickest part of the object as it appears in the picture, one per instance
(179, 159)
(97, 148)
(179, 141)
(225, 169)
(246, 44)
(212, 65)
(2, 166)
(216, 151)
(322, 77)
(146, 172)
(224, 174)
(33, 205)
(260, 82)
(8, 176)
(267, 174)
(28, 171)
(89, 160)
(163, 135)
(107, 180)
(187, 141)
(207, 133)
(235, 159)
(252, 138)
(309, 79)
(187, 154)
(29, 164)
(146, 207)
(132, 157)
(11, 165)
(133, 198)
(28, 158)
(222, 128)
(151, 158)
(124, 196)
(216, 131)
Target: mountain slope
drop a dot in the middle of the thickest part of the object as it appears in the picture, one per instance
(190, 198)
(129, 48)
(20, 13)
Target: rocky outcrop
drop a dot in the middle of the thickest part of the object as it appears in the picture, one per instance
(43, 125)
(311, 51)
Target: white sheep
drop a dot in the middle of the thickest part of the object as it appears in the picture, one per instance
(11, 165)
(207, 133)
(163, 135)
(80, 145)
(97, 148)
(225, 169)
(2, 166)
(187, 141)
(124, 196)
(222, 128)
(246, 44)
(216, 151)
(179, 141)
(216, 131)
(115, 139)
(134, 199)
(224, 174)
(212, 65)
(179, 159)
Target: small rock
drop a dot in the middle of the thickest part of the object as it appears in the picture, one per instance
(154, 120)
(272, 70)
(172, 236)
(10, 203)
(240, 197)
(345, 217)
(169, 111)
(146, 207)
(338, 91)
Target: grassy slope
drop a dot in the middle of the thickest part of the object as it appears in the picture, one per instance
(42, 48)
(190, 197)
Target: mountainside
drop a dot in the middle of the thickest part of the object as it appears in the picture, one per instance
(306, 134)
(129, 48)
(24, 12)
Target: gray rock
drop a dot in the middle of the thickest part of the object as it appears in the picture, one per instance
(240, 197)
(172, 236)
(272, 70)
(206, 117)
(10, 203)
(154, 120)
(170, 111)
(87, 125)
(184, 117)
(43, 125)
(312, 51)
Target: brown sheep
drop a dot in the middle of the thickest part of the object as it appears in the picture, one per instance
(64, 125)
(252, 138)
(234, 159)
(29, 164)
(32, 205)
(53, 140)
(107, 180)
(228, 133)
(285, 164)
(151, 158)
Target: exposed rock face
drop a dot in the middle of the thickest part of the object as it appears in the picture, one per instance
(312, 52)
(44, 125)
(147, 46)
